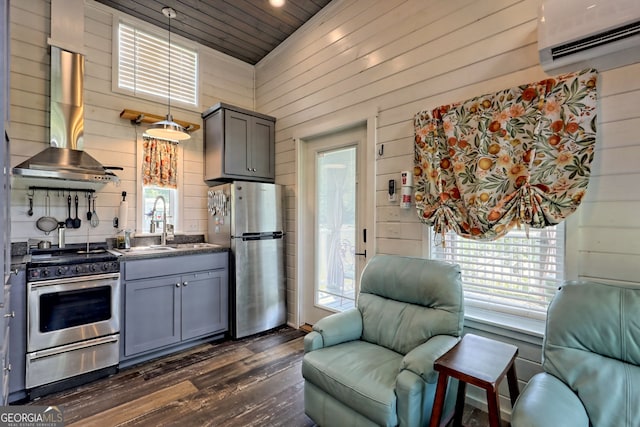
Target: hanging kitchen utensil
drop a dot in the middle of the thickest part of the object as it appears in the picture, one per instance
(88, 206)
(94, 215)
(47, 223)
(30, 211)
(225, 205)
(76, 221)
(69, 221)
(210, 205)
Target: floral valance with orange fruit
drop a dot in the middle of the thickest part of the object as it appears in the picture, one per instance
(159, 163)
(520, 156)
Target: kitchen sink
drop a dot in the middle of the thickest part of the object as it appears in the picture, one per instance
(152, 248)
(195, 245)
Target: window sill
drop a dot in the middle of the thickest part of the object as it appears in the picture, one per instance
(531, 330)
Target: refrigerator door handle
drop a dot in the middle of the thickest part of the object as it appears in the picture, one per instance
(261, 236)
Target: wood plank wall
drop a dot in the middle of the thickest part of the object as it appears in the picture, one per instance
(109, 139)
(398, 57)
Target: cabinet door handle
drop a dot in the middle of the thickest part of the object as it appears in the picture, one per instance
(185, 283)
(177, 285)
(12, 314)
(249, 169)
(254, 169)
(8, 368)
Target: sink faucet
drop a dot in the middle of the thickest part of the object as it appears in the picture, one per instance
(163, 237)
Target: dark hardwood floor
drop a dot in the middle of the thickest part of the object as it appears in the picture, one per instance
(250, 382)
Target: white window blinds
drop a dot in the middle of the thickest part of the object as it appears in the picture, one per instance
(514, 275)
(143, 66)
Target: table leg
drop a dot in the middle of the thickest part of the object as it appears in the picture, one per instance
(512, 379)
(457, 415)
(438, 401)
(493, 403)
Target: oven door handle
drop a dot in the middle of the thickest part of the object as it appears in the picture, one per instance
(71, 347)
(92, 278)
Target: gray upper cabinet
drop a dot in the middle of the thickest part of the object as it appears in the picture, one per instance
(13, 283)
(239, 144)
(5, 191)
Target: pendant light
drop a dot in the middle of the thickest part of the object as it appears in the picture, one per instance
(168, 129)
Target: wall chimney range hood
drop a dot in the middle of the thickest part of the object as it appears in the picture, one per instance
(65, 159)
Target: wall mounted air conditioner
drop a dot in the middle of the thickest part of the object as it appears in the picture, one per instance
(577, 34)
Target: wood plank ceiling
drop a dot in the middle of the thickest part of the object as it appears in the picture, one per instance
(245, 29)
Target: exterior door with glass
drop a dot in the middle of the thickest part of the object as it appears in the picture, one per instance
(334, 222)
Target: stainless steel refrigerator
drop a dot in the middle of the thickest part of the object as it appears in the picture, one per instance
(247, 217)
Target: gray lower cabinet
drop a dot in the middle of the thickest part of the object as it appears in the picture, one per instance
(163, 310)
(200, 292)
(151, 314)
(17, 336)
(7, 314)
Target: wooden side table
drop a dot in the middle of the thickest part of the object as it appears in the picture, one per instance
(479, 361)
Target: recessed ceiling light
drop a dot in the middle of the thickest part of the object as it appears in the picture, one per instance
(276, 3)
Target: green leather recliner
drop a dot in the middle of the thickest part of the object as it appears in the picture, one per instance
(373, 365)
(591, 359)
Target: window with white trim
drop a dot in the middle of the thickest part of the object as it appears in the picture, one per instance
(515, 275)
(150, 194)
(143, 66)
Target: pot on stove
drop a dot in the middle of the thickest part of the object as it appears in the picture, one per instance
(44, 244)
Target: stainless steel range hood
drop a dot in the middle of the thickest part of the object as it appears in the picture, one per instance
(65, 159)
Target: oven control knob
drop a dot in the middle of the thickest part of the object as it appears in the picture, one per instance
(60, 271)
(105, 266)
(94, 267)
(46, 272)
(78, 269)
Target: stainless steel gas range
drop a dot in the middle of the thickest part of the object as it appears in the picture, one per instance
(73, 315)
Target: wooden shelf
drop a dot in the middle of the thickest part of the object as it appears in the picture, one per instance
(141, 117)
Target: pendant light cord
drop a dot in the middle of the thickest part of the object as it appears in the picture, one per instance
(169, 74)
(168, 128)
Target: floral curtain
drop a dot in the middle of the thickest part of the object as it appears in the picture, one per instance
(159, 163)
(520, 156)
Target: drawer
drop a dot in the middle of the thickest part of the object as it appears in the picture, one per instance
(171, 265)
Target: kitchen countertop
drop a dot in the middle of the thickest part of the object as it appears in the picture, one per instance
(156, 251)
(19, 261)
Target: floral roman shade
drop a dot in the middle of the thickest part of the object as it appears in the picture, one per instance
(520, 156)
(159, 162)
